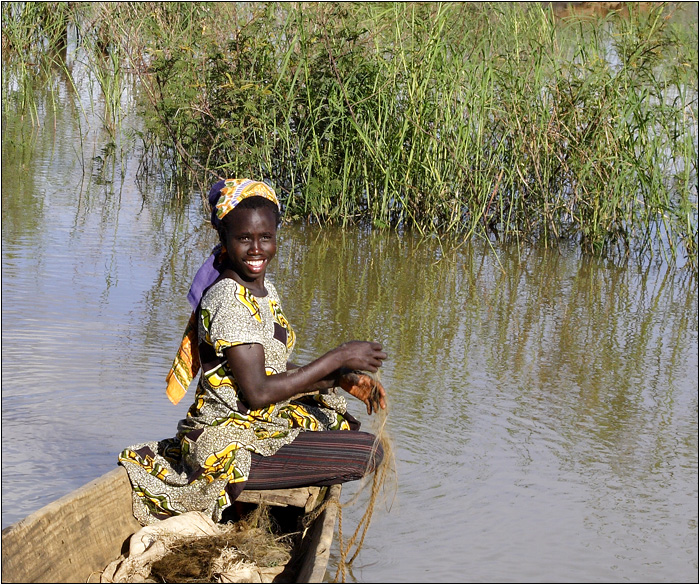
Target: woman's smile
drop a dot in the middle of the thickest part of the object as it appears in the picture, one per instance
(256, 265)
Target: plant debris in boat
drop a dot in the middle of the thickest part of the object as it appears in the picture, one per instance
(248, 551)
(241, 550)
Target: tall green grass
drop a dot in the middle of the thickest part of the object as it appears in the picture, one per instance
(491, 120)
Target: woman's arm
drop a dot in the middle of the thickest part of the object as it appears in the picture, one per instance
(247, 363)
(325, 384)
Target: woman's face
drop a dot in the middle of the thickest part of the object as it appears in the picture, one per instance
(250, 236)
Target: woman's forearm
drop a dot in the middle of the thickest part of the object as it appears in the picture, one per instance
(259, 390)
(326, 383)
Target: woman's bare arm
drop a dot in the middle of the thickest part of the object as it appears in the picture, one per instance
(258, 390)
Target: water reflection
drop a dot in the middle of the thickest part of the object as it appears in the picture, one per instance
(542, 397)
(543, 406)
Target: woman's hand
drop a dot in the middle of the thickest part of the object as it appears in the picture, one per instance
(365, 388)
(361, 355)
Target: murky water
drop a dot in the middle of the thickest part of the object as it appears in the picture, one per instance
(543, 406)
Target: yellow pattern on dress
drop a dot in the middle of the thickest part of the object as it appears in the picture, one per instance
(246, 298)
(155, 469)
(279, 317)
(220, 462)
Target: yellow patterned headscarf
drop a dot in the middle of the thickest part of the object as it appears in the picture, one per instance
(236, 190)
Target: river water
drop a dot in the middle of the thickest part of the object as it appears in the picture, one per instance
(543, 406)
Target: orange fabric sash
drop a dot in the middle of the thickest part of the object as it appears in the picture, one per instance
(186, 363)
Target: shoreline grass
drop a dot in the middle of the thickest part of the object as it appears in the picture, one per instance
(486, 120)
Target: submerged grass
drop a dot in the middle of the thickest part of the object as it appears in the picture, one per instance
(492, 120)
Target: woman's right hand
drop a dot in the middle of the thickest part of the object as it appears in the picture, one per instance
(364, 388)
(361, 355)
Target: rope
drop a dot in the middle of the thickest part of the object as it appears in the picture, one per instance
(378, 481)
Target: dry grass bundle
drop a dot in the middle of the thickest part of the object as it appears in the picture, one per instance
(243, 549)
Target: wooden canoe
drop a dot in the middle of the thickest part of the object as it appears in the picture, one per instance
(73, 539)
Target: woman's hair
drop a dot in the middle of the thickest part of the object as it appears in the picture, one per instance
(248, 203)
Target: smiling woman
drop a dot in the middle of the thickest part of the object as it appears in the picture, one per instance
(250, 236)
(254, 415)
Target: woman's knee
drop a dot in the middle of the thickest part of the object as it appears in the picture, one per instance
(374, 452)
(376, 456)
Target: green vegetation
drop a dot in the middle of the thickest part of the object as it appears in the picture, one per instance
(473, 119)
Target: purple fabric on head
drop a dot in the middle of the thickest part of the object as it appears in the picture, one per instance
(214, 194)
(209, 271)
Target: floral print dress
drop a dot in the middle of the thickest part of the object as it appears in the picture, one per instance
(205, 466)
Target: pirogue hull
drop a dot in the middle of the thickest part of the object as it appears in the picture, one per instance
(73, 539)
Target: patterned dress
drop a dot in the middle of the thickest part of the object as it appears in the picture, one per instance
(205, 466)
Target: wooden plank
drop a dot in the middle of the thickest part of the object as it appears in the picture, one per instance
(298, 497)
(78, 534)
(313, 568)
(316, 498)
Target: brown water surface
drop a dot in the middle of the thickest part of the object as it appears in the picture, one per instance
(543, 406)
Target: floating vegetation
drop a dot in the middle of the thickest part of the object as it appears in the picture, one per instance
(491, 120)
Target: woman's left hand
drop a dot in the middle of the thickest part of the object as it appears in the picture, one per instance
(364, 388)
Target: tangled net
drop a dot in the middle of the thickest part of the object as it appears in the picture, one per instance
(248, 551)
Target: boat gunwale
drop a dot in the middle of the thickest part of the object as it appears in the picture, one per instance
(65, 543)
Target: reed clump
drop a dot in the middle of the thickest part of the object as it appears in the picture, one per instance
(491, 120)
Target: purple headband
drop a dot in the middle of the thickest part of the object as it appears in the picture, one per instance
(214, 194)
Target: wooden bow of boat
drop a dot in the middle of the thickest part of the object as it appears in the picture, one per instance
(73, 539)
